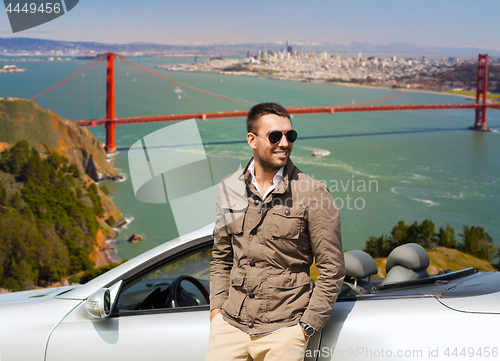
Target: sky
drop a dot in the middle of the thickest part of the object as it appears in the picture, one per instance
(450, 23)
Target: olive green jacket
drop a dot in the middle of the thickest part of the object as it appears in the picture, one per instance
(263, 251)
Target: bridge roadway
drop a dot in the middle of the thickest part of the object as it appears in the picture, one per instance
(296, 110)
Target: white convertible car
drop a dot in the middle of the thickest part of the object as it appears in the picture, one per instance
(155, 307)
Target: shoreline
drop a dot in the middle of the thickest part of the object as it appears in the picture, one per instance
(103, 259)
(355, 85)
(365, 86)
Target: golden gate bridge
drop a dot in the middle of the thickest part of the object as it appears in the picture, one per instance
(168, 100)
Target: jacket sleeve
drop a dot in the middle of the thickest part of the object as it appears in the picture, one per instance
(326, 244)
(222, 257)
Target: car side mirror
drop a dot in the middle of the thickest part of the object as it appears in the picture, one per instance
(100, 303)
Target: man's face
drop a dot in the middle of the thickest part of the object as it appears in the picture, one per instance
(270, 156)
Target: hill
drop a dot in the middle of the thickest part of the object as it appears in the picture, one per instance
(442, 258)
(54, 218)
(45, 46)
(22, 119)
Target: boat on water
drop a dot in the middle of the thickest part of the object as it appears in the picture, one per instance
(320, 153)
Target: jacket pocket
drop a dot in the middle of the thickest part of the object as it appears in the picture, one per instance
(236, 296)
(288, 296)
(287, 222)
(234, 220)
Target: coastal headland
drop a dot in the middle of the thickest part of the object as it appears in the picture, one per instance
(50, 198)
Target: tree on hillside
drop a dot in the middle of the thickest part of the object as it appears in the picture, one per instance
(399, 234)
(13, 159)
(378, 246)
(25, 255)
(446, 237)
(478, 243)
(422, 234)
(426, 233)
(47, 230)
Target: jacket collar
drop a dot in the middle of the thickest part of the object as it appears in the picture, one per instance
(282, 187)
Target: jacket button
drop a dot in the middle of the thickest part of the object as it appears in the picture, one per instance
(250, 325)
(251, 295)
(256, 201)
(252, 264)
(287, 212)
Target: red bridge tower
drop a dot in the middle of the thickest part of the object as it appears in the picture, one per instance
(110, 106)
(481, 92)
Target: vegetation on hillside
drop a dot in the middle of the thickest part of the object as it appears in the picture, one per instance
(48, 220)
(475, 241)
(443, 258)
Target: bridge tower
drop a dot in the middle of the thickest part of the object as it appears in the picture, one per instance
(110, 106)
(481, 94)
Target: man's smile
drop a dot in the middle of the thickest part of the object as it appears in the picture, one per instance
(282, 154)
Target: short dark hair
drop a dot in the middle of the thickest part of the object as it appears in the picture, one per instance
(262, 109)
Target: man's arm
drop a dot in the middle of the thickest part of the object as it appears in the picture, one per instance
(222, 259)
(326, 244)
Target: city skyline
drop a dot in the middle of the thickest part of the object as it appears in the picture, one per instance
(425, 23)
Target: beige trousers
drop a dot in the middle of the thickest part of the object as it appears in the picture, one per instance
(229, 343)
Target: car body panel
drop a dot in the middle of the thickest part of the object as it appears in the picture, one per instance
(489, 303)
(33, 296)
(415, 327)
(26, 326)
(154, 336)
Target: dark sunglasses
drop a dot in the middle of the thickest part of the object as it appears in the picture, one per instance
(276, 135)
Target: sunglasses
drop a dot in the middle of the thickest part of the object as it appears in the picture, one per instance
(275, 136)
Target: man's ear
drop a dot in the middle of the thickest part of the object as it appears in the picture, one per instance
(251, 139)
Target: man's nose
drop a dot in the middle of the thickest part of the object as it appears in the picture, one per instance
(283, 141)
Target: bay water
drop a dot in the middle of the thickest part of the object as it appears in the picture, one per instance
(381, 167)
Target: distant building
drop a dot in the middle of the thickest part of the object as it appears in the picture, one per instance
(289, 49)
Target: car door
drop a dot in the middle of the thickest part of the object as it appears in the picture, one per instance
(149, 320)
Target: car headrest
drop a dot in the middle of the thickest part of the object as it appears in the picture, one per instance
(359, 264)
(410, 255)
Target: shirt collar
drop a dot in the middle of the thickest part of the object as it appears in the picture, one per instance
(278, 177)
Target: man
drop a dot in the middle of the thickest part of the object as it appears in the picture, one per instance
(272, 221)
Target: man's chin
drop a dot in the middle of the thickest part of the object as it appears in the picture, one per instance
(281, 162)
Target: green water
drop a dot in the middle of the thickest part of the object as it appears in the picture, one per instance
(406, 166)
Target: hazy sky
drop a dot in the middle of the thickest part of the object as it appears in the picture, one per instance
(456, 23)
